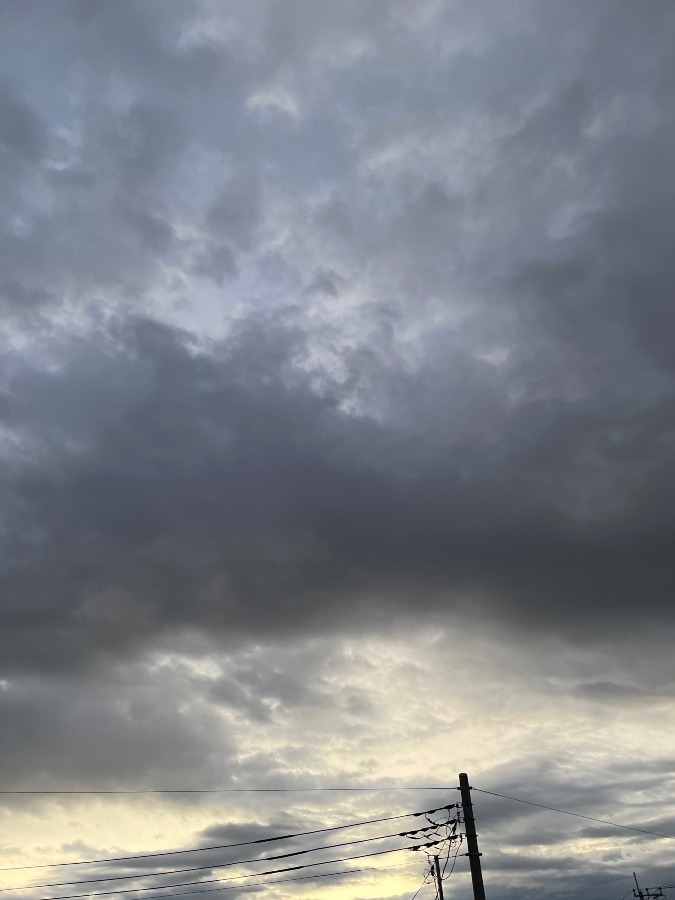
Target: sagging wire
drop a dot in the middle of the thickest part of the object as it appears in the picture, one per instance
(454, 861)
(447, 841)
(449, 821)
(447, 810)
(161, 853)
(424, 882)
(452, 837)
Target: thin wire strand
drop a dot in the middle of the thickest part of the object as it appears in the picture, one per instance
(326, 862)
(279, 790)
(426, 878)
(567, 812)
(237, 862)
(235, 887)
(454, 861)
(255, 885)
(267, 840)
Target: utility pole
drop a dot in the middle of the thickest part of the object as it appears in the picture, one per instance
(439, 880)
(471, 839)
(647, 893)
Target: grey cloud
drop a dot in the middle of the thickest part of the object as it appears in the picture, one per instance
(216, 262)
(256, 691)
(326, 282)
(612, 692)
(522, 864)
(121, 726)
(235, 212)
(229, 224)
(245, 831)
(219, 490)
(21, 131)
(139, 44)
(105, 222)
(661, 765)
(100, 202)
(429, 227)
(111, 729)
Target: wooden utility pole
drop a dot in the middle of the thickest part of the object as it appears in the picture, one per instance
(471, 839)
(439, 880)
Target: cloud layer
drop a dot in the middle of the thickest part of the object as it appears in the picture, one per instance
(322, 325)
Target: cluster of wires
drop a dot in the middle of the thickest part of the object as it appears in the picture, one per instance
(140, 875)
(446, 853)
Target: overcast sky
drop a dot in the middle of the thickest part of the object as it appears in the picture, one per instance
(337, 412)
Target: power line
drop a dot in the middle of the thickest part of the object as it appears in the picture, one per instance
(267, 840)
(454, 861)
(279, 790)
(326, 862)
(426, 878)
(567, 812)
(423, 832)
(239, 887)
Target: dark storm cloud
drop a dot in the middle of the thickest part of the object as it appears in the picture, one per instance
(21, 132)
(119, 726)
(173, 488)
(107, 730)
(620, 794)
(255, 691)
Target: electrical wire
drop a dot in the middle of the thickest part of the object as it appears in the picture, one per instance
(454, 861)
(567, 812)
(239, 887)
(267, 840)
(426, 878)
(326, 862)
(450, 838)
(280, 790)
(237, 862)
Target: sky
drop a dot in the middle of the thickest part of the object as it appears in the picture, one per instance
(337, 404)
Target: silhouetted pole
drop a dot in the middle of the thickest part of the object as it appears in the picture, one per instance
(471, 840)
(439, 880)
(647, 893)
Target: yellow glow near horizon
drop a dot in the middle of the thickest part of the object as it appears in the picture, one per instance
(391, 710)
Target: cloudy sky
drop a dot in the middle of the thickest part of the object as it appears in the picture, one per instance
(337, 413)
